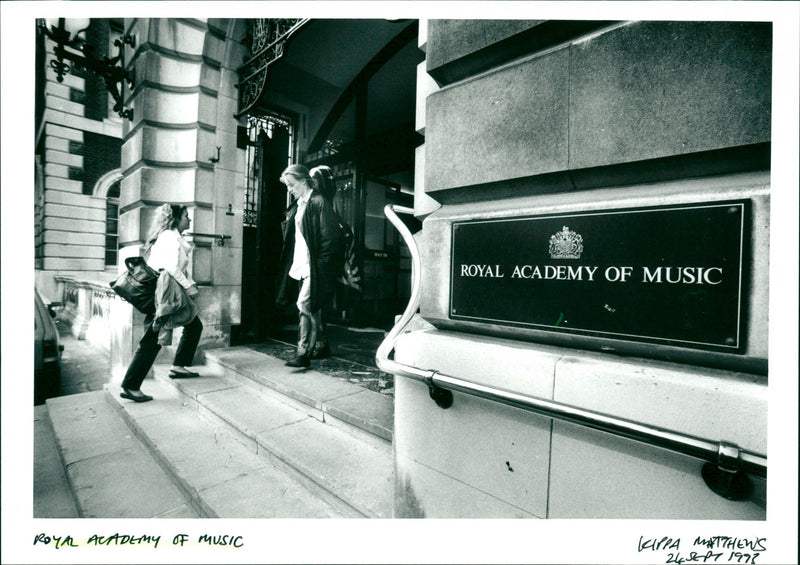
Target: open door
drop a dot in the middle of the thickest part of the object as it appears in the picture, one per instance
(268, 145)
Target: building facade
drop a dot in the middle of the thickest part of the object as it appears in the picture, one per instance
(487, 130)
(77, 177)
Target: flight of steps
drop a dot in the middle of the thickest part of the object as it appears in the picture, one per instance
(251, 438)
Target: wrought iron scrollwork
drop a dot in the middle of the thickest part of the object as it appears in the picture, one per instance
(268, 36)
(76, 50)
(257, 127)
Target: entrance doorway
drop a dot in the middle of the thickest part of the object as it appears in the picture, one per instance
(268, 140)
(349, 86)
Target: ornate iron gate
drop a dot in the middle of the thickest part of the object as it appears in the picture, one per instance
(259, 128)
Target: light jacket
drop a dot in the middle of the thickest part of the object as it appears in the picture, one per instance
(171, 253)
(174, 308)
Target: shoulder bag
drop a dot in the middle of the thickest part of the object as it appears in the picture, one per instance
(137, 285)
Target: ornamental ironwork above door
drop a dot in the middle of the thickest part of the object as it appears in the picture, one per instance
(268, 36)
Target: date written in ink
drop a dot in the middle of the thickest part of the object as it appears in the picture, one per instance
(712, 557)
(716, 549)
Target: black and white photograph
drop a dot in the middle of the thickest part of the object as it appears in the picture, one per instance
(400, 282)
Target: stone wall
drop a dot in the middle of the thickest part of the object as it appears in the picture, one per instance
(540, 117)
(635, 102)
(184, 104)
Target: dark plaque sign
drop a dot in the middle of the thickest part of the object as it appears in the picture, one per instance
(669, 275)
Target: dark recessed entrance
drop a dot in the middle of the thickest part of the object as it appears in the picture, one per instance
(345, 94)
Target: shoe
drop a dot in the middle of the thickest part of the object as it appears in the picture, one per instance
(321, 351)
(173, 374)
(135, 395)
(299, 361)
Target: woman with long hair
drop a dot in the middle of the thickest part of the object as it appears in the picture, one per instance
(322, 180)
(311, 256)
(166, 250)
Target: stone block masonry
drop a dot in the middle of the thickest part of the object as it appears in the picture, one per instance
(541, 119)
(634, 102)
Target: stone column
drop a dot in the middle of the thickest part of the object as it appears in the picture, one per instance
(184, 103)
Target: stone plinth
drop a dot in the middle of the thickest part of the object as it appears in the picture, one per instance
(632, 103)
(458, 49)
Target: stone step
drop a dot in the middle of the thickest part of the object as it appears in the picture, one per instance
(110, 473)
(351, 471)
(227, 447)
(220, 475)
(358, 410)
(52, 497)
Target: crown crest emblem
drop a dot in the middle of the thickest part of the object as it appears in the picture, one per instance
(566, 244)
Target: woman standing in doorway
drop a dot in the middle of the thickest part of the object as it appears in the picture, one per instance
(311, 255)
(168, 251)
(322, 178)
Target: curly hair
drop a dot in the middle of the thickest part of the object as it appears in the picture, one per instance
(167, 217)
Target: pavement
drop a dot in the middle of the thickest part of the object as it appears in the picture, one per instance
(103, 458)
(84, 367)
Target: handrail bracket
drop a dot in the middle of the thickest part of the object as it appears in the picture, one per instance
(441, 396)
(727, 467)
(725, 477)
(219, 237)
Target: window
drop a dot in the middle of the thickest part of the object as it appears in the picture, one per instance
(112, 225)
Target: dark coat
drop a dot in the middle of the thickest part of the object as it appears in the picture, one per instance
(323, 235)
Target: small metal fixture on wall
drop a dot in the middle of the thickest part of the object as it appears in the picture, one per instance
(216, 159)
(71, 45)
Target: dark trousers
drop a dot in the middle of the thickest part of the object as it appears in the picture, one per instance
(149, 347)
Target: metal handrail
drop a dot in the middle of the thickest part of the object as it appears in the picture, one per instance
(723, 454)
(219, 237)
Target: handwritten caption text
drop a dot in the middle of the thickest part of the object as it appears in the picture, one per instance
(117, 539)
(714, 549)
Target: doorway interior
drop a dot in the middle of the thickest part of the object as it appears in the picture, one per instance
(344, 95)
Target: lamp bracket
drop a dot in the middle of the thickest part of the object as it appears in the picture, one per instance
(82, 55)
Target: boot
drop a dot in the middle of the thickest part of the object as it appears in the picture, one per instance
(299, 361)
(321, 351)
